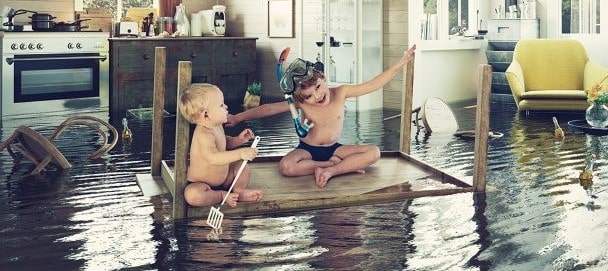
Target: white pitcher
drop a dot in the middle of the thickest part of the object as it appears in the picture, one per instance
(182, 24)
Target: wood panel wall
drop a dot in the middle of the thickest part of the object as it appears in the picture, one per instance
(62, 9)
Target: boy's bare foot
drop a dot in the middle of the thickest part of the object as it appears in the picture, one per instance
(232, 198)
(335, 159)
(322, 175)
(250, 195)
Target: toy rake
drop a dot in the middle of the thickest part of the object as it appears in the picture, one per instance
(215, 215)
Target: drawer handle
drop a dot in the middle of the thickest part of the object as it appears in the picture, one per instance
(235, 53)
(146, 56)
(193, 55)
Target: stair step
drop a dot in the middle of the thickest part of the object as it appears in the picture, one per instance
(499, 56)
(499, 78)
(499, 66)
(501, 89)
(501, 45)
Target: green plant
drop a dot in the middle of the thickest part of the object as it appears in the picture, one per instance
(255, 88)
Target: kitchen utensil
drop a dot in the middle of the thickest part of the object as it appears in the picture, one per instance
(215, 215)
(214, 21)
(43, 25)
(42, 17)
(73, 26)
(128, 29)
(11, 27)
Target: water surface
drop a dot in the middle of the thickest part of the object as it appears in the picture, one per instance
(535, 215)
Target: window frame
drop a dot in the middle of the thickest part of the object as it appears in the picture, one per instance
(443, 31)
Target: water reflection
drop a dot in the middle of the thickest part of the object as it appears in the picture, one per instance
(535, 215)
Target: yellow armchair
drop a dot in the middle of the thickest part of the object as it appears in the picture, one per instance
(552, 75)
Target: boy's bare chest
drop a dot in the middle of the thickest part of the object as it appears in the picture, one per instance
(329, 114)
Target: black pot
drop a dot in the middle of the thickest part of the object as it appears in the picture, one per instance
(69, 26)
(42, 25)
(42, 17)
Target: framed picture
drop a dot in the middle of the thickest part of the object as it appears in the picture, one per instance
(280, 18)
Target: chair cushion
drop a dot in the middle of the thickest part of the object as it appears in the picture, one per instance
(551, 63)
(555, 94)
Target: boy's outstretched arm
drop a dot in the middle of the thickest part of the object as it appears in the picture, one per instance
(381, 79)
(261, 111)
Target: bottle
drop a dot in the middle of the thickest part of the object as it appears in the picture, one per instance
(127, 135)
(332, 69)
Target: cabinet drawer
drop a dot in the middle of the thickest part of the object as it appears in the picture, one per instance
(134, 57)
(199, 53)
(234, 52)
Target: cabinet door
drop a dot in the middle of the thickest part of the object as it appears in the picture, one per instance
(234, 67)
(233, 81)
(136, 91)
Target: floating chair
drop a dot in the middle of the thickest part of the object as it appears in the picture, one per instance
(26, 142)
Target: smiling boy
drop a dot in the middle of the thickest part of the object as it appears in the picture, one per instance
(319, 152)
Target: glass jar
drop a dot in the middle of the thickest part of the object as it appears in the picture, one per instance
(597, 115)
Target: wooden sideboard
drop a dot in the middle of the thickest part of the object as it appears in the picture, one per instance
(228, 62)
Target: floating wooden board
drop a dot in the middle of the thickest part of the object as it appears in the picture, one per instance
(396, 176)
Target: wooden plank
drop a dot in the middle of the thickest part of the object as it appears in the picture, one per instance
(482, 129)
(168, 176)
(182, 143)
(291, 205)
(395, 176)
(151, 185)
(406, 109)
(158, 108)
(444, 176)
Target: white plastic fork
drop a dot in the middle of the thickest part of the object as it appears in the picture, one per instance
(215, 217)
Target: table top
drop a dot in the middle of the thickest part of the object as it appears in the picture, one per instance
(583, 126)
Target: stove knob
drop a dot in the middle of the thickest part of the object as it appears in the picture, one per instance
(78, 46)
(23, 46)
(70, 45)
(39, 46)
(14, 46)
(31, 46)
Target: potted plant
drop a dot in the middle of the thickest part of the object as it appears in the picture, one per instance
(252, 95)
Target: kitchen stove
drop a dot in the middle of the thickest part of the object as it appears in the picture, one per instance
(53, 71)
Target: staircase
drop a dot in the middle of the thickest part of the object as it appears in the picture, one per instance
(500, 55)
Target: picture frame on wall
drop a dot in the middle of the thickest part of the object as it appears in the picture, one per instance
(280, 18)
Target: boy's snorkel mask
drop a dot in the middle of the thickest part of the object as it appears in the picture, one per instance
(299, 70)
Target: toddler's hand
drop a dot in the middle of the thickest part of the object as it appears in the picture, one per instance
(248, 153)
(245, 136)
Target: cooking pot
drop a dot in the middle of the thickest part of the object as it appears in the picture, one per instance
(70, 26)
(42, 17)
(43, 25)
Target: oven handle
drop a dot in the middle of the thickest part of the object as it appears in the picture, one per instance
(11, 60)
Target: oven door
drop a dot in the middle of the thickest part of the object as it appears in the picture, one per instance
(52, 82)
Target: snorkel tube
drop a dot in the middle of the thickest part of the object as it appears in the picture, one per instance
(301, 127)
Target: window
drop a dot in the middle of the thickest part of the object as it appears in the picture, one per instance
(117, 7)
(580, 16)
(440, 19)
(458, 15)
